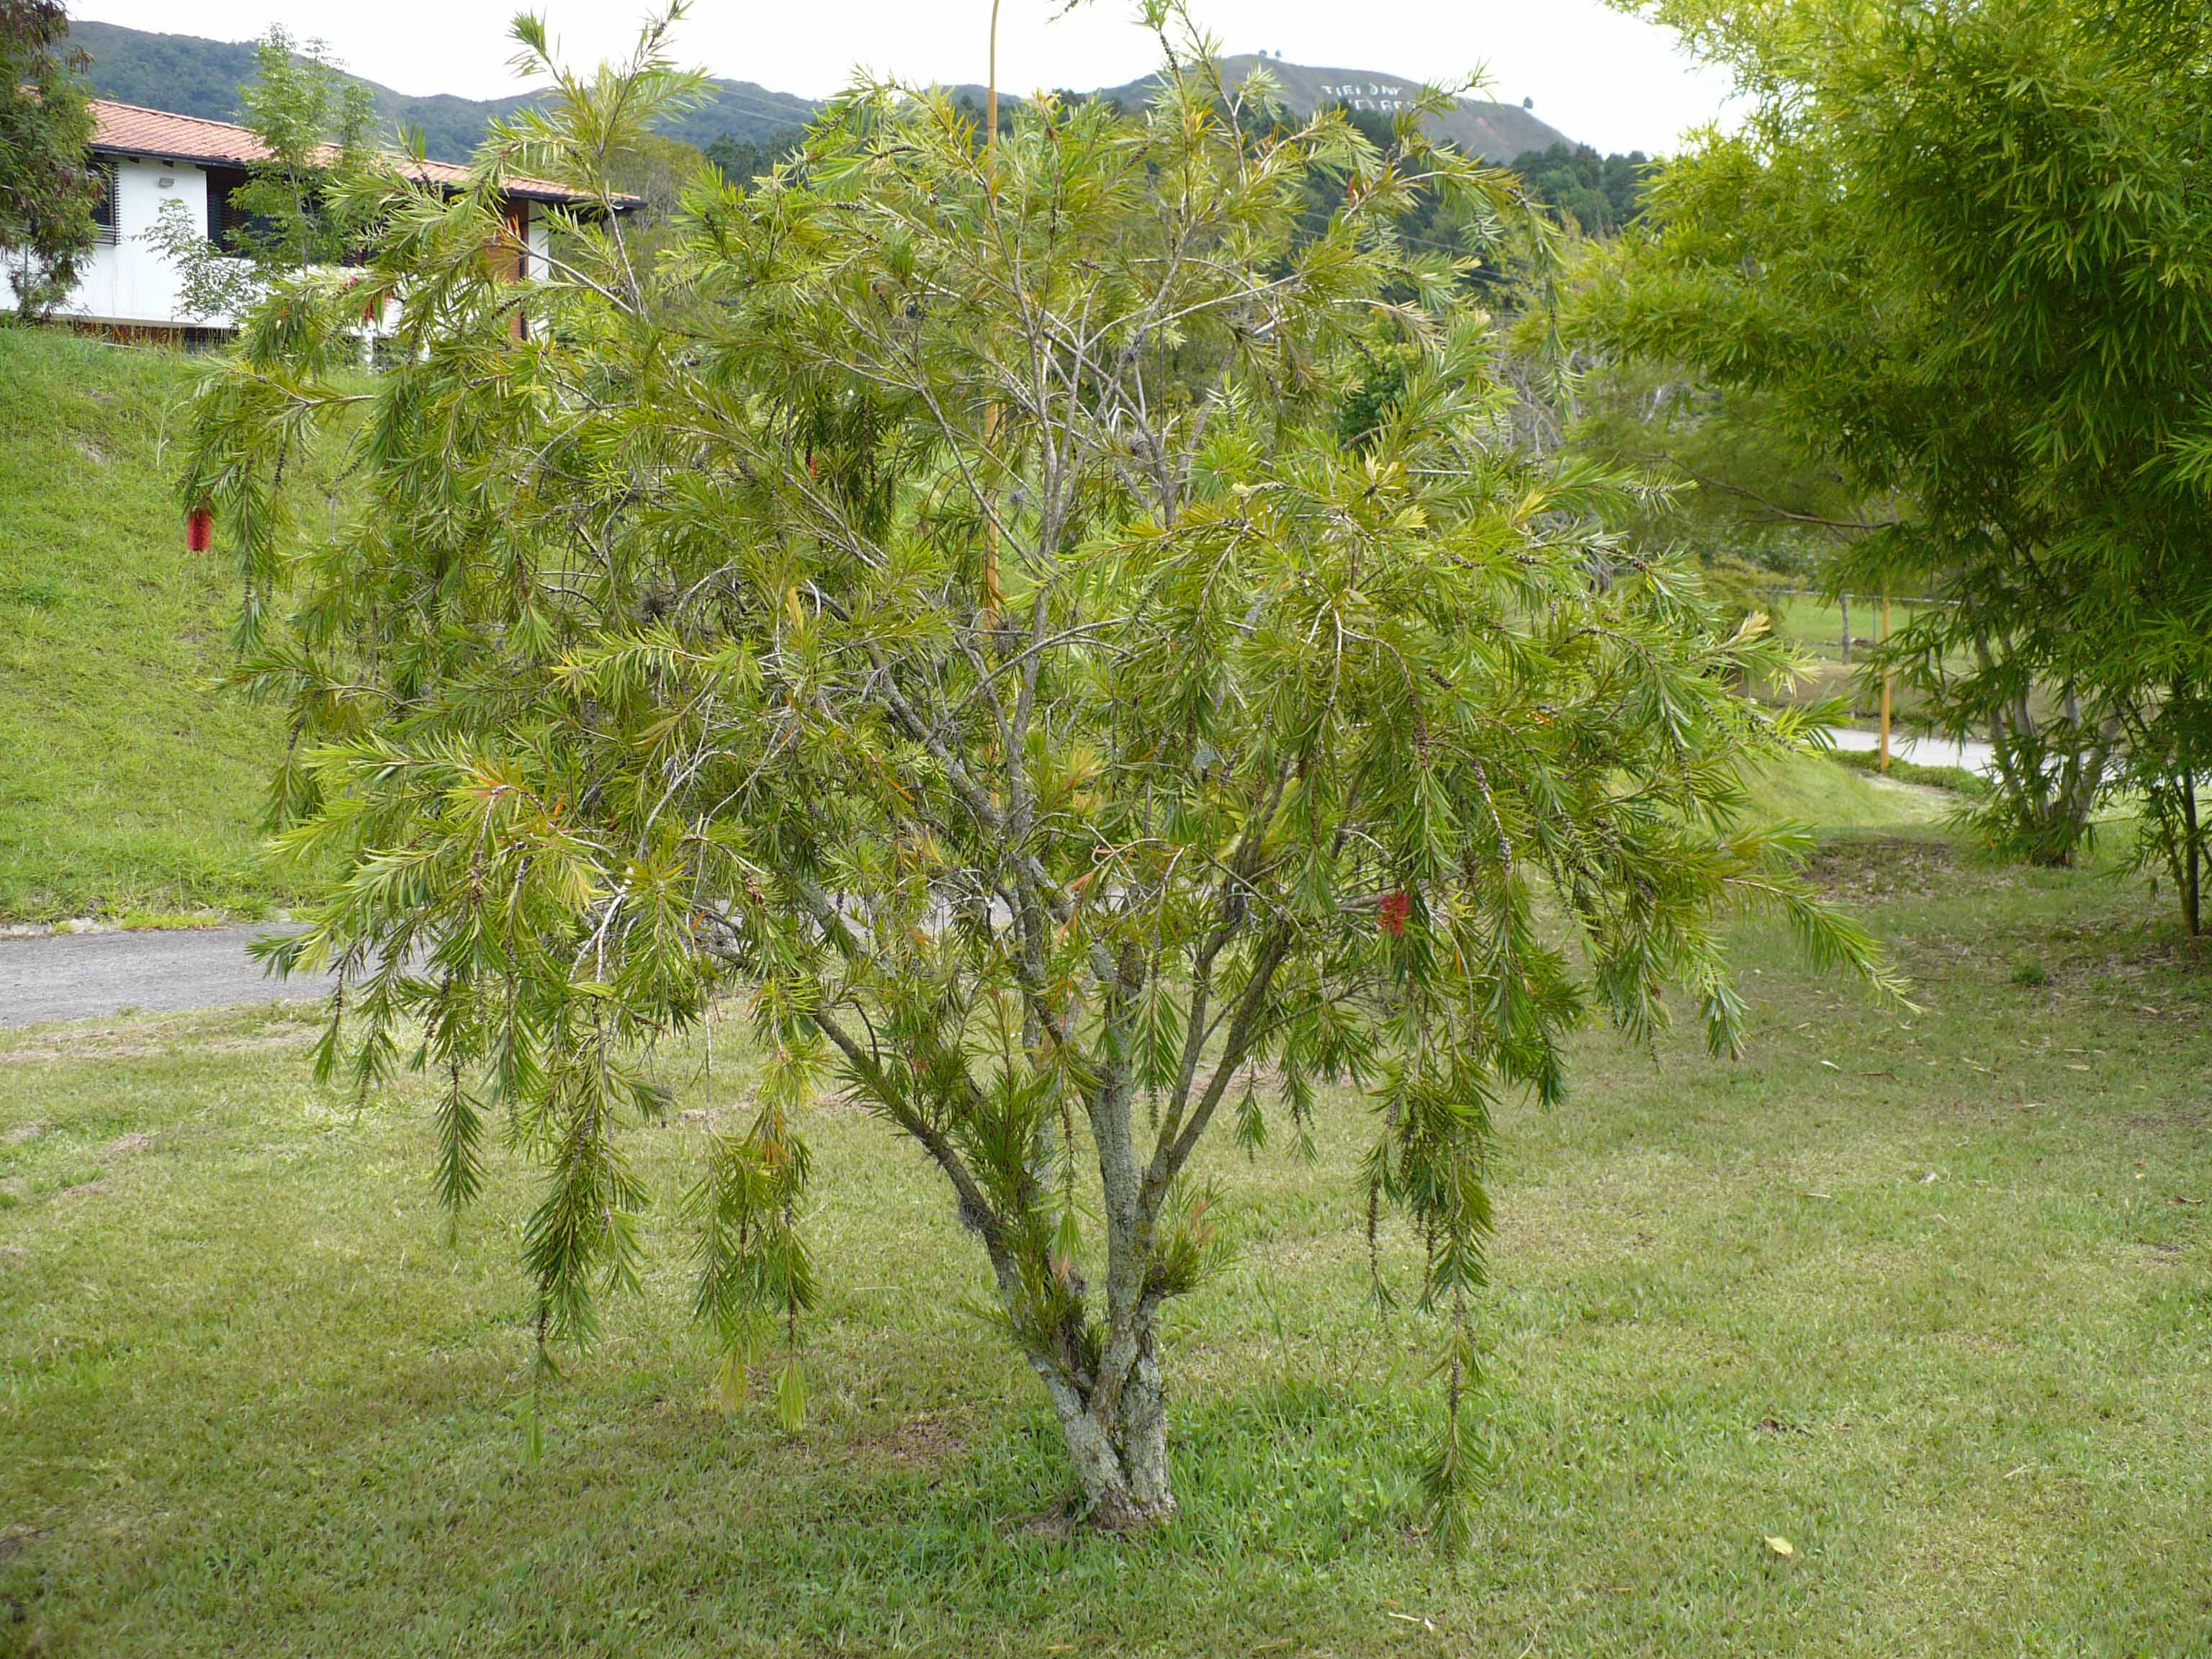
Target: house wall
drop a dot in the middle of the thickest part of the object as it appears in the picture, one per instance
(131, 282)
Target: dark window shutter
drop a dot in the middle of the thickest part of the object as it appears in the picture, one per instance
(107, 229)
(225, 221)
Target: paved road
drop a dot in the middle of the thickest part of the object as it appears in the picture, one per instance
(87, 975)
(1921, 751)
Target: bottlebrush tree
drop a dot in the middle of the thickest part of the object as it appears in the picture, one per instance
(941, 606)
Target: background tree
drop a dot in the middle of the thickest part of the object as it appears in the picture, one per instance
(1960, 251)
(659, 172)
(1730, 489)
(660, 667)
(47, 191)
(742, 159)
(1597, 193)
(314, 122)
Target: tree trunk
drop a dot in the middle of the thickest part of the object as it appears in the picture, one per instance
(2052, 804)
(2192, 913)
(1144, 1437)
(1123, 1463)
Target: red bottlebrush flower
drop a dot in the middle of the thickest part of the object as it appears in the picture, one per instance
(1395, 907)
(199, 530)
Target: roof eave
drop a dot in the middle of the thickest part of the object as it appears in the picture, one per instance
(100, 146)
(553, 196)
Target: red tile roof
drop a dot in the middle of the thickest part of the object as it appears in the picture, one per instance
(128, 129)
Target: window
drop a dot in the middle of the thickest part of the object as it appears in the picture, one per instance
(226, 222)
(235, 229)
(106, 222)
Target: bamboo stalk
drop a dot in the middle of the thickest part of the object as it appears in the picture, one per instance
(1885, 683)
(991, 598)
(991, 85)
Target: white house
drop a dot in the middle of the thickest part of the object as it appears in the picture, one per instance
(151, 156)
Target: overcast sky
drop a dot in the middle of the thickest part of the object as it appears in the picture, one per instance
(1602, 78)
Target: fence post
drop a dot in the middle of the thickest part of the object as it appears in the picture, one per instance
(1885, 683)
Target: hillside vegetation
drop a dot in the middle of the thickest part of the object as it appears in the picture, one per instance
(1496, 131)
(131, 787)
(195, 75)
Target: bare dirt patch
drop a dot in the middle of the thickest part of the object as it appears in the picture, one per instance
(1871, 867)
(1055, 1526)
(926, 1442)
(2184, 1117)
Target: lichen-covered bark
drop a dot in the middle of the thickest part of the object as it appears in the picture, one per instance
(1119, 1447)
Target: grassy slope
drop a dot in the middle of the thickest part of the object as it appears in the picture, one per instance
(130, 788)
(1927, 1295)
(1811, 789)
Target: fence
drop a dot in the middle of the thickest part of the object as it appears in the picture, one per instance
(1877, 608)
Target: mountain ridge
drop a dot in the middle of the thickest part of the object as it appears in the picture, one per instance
(195, 75)
(1497, 131)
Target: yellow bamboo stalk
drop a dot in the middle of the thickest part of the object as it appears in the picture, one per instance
(991, 410)
(991, 86)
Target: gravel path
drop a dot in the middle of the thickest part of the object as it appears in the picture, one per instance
(90, 975)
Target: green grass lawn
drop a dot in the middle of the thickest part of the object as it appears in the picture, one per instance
(1818, 624)
(131, 789)
(1929, 1295)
